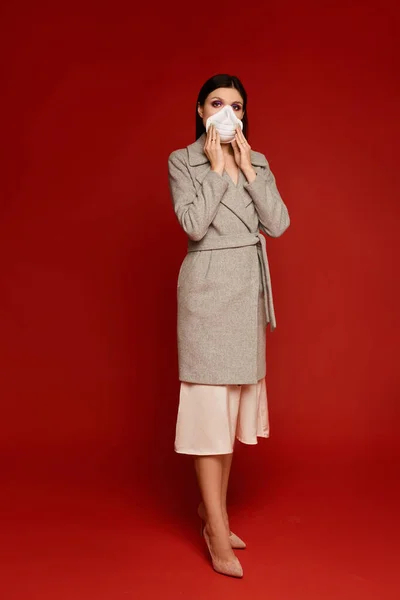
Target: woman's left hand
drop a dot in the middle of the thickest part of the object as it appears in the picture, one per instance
(241, 150)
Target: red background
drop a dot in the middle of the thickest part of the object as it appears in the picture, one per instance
(95, 97)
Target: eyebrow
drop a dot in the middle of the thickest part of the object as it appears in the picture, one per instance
(218, 98)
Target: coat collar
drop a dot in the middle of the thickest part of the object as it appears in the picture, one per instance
(197, 157)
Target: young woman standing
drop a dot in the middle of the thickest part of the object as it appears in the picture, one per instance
(223, 194)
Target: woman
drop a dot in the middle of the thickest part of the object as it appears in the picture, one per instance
(223, 194)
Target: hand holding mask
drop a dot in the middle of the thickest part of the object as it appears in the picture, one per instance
(213, 150)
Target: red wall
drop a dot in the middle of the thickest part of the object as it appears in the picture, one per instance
(96, 96)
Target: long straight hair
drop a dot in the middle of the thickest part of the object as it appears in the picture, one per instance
(221, 81)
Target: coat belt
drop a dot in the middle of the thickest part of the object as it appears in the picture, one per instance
(239, 240)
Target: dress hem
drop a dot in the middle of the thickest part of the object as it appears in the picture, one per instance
(253, 382)
(202, 453)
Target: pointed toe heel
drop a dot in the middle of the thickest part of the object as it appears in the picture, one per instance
(236, 542)
(232, 568)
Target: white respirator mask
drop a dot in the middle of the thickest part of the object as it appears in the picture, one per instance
(225, 122)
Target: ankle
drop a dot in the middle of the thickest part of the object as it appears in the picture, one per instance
(225, 517)
(216, 528)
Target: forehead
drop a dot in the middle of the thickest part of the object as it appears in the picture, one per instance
(226, 94)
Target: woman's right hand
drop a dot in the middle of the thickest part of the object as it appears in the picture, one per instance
(213, 150)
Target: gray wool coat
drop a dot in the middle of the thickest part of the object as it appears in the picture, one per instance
(224, 291)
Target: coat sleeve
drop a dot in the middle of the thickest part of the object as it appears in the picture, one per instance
(194, 209)
(272, 212)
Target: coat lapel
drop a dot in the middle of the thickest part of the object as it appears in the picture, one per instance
(231, 198)
(201, 166)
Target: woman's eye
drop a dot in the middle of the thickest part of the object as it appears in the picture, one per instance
(235, 106)
(216, 103)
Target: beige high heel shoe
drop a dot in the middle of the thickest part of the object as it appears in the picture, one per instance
(235, 540)
(232, 568)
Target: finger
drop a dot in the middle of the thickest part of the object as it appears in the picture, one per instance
(244, 145)
(238, 137)
(211, 136)
(239, 142)
(214, 135)
(241, 137)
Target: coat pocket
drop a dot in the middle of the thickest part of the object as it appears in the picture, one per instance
(187, 267)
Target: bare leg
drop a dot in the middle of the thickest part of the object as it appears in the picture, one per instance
(226, 468)
(209, 470)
